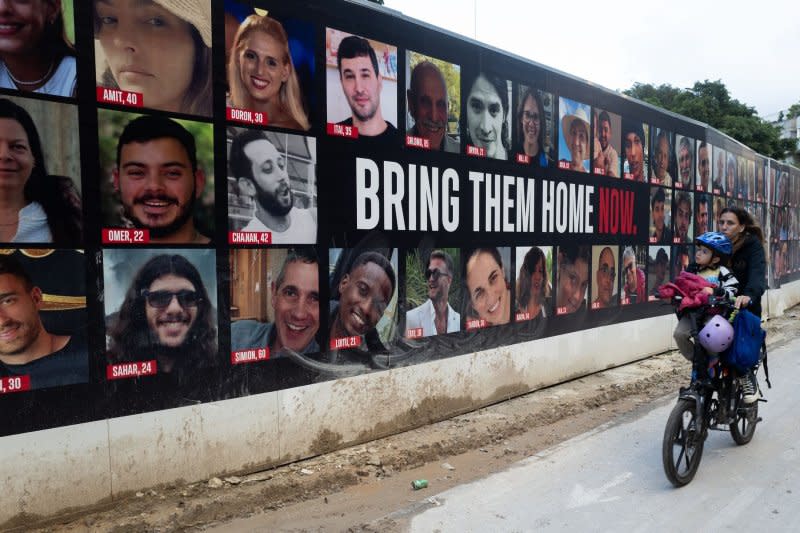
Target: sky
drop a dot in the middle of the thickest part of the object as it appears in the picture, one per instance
(753, 47)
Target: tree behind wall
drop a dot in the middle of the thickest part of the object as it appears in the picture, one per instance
(710, 102)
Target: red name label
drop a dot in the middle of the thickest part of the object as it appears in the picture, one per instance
(118, 96)
(249, 237)
(716, 191)
(627, 176)
(476, 151)
(596, 305)
(521, 317)
(414, 333)
(653, 240)
(134, 369)
(563, 165)
(249, 356)
(340, 130)
(125, 236)
(418, 142)
(523, 159)
(652, 298)
(246, 116)
(626, 301)
(679, 185)
(477, 323)
(600, 171)
(15, 384)
(676, 240)
(345, 342)
(561, 310)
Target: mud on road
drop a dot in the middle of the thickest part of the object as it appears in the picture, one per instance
(352, 489)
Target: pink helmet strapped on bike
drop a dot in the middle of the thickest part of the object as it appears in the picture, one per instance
(717, 335)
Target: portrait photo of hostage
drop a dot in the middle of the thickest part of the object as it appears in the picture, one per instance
(761, 171)
(433, 103)
(684, 153)
(661, 162)
(635, 149)
(607, 144)
(604, 266)
(272, 186)
(274, 303)
(657, 269)
(40, 197)
(719, 204)
(361, 90)
(363, 305)
(572, 278)
(741, 181)
(684, 210)
(487, 121)
(534, 283)
(703, 213)
(633, 281)
(731, 176)
(43, 319)
(487, 287)
(433, 292)
(704, 159)
(660, 215)
(751, 179)
(160, 177)
(681, 255)
(155, 54)
(36, 50)
(534, 132)
(161, 309)
(718, 170)
(573, 138)
(268, 79)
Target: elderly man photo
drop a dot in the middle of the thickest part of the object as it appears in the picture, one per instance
(158, 179)
(429, 106)
(295, 306)
(436, 316)
(259, 166)
(362, 85)
(26, 347)
(605, 278)
(685, 163)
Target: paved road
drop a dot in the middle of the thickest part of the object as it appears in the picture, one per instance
(611, 479)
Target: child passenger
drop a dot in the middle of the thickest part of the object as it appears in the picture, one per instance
(711, 255)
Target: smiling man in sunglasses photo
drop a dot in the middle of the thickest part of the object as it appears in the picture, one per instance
(166, 316)
(435, 316)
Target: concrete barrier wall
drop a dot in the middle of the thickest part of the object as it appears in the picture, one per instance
(47, 472)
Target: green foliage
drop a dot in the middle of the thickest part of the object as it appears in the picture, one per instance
(417, 285)
(794, 111)
(110, 126)
(710, 102)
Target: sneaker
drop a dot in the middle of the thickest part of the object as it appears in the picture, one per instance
(749, 384)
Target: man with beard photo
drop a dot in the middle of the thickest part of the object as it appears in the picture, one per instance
(167, 316)
(259, 166)
(436, 316)
(158, 179)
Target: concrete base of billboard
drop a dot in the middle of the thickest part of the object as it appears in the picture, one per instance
(50, 471)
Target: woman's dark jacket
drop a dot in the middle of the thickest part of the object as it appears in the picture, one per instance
(749, 265)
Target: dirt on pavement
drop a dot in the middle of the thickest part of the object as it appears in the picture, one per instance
(352, 489)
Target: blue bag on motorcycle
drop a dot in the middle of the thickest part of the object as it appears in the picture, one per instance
(747, 340)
